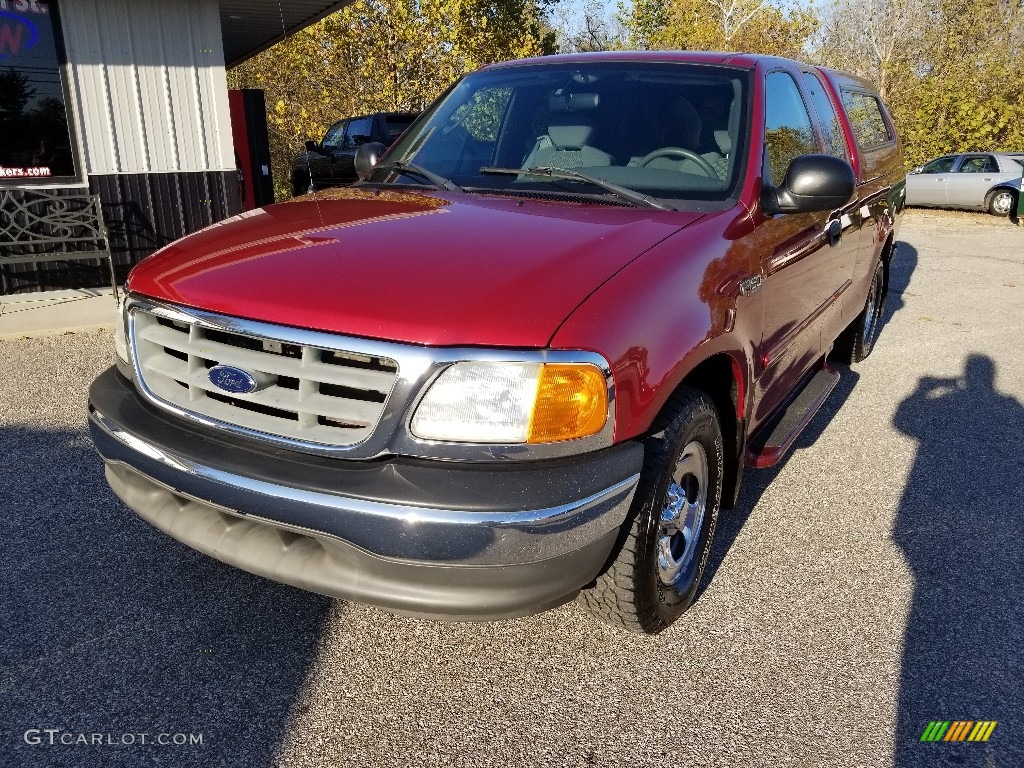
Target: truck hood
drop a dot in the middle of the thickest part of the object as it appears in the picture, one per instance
(405, 266)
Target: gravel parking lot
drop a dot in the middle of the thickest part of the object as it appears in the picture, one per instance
(868, 585)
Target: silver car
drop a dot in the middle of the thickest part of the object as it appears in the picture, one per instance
(976, 181)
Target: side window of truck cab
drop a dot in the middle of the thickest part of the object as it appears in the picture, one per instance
(869, 126)
(828, 119)
(788, 130)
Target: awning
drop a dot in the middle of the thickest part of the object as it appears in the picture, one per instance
(250, 26)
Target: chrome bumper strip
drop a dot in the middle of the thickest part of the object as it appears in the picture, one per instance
(513, 536)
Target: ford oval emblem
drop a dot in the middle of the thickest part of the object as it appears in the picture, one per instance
(232, 379)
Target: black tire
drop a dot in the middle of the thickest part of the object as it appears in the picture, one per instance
(857, 341)
(1001, 202)
(632, 592)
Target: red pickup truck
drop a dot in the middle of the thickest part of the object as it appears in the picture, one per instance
(527, 357)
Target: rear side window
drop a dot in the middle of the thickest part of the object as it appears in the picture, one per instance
(979, 164)
(828, 120)
(397, 126)
(788, 133)
(865, 113)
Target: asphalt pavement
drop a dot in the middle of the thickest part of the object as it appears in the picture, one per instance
(867, 586)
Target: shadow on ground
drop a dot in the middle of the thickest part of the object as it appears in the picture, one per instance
(112, 628)
(900, 271)
(961, 528)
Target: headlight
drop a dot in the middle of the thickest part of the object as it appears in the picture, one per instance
(513, 403)
(121, 336)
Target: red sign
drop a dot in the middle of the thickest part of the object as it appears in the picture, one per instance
(12, 37)
(17, 32)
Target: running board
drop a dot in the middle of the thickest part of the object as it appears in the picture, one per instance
(770, 443)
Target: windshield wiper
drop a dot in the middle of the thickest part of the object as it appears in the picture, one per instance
(408, 169)
(563, 173)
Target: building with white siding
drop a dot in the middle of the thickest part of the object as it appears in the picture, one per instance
(128, 99)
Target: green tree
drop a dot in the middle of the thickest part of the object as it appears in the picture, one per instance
(15, 93)
(589, 27)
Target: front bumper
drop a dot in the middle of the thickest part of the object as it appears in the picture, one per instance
(427, 538)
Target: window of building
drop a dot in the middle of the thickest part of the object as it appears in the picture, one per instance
(35, 136)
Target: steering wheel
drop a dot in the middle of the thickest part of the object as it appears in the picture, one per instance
(682, 152)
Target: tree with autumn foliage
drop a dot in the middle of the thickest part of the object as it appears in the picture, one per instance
(381, 56)
(949, 70)
(756, 26)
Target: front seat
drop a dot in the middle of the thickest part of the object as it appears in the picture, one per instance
(570, 128)
(683, 129)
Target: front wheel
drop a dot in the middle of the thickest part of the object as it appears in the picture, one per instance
(664, 547)
(1001, 202)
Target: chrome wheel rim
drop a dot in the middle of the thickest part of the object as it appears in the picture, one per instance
(682, 517)
(1002, 203)
(871, 313)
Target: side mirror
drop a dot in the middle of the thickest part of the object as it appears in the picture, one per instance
(367, 156)
(812, 183)
(915, 170)
(312, 146)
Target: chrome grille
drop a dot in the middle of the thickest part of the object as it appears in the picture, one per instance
(313, 394)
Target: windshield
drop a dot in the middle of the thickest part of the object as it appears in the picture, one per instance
(669, 131)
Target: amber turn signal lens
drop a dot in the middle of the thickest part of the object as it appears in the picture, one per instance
(572, 401)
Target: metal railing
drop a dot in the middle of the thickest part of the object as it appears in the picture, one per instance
(38, 227)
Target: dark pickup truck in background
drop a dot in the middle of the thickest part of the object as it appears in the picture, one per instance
(528, 355)
(330, 161)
